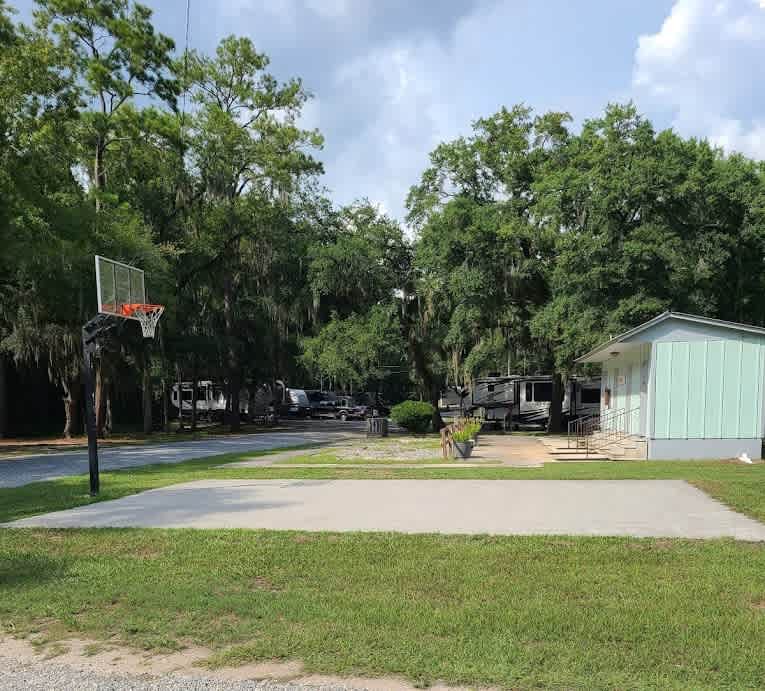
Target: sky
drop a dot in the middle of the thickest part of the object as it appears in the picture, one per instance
(392, 78)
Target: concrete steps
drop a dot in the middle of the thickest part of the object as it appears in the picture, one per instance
(600, 448)
(559, 450)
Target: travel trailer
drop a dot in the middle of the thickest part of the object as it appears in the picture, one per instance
(211, 400)
(524, 401)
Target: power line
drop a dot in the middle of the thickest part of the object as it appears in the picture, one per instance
(185, 71)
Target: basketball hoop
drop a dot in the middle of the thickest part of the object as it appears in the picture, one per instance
(146, 315)
(121, 294)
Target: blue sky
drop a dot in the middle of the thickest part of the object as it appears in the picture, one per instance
(392, 78)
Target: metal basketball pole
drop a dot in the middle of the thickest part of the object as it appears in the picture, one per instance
(88, 351)
(95, 328)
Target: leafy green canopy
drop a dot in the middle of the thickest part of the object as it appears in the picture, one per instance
(357, 350)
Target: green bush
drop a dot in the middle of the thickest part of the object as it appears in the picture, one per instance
(413, 416)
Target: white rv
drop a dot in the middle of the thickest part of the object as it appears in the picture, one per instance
(211, 400)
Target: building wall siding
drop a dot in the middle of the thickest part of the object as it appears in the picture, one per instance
(632, 369)
(708, 389)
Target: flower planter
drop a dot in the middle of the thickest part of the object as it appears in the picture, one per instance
(463, 449)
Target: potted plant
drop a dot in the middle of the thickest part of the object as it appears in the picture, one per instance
(475, 428)
(463, 445)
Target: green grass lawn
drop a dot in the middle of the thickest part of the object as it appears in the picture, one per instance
(333, 458)
(520, 612)
(523, 612)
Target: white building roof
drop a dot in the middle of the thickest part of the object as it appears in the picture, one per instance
(602, 351)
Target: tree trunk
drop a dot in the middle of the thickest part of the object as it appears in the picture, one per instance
(165, 406)
(235, 386)
(99, 173)
(148, 426)
(180, 400)
(555, 421)
(109, 423)
(71, 400)
(194, 394)
(232, 358)
(3, 399)
(437, 420)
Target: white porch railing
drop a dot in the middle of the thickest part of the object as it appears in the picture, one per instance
(611, 427)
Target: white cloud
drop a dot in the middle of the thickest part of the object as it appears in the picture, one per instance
(403, 118)
(732, 135)
(705, 68)
(334, 9)
(288, 12)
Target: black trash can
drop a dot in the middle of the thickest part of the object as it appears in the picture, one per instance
(377, 426)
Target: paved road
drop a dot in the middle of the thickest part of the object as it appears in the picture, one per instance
(641, 508)
(23, 470)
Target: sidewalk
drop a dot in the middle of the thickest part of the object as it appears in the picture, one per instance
(511, 450)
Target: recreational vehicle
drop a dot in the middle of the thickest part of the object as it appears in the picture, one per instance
(211, 399)
(524, 401)
(292, 401)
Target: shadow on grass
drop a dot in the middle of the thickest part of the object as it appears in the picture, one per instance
(30, 568)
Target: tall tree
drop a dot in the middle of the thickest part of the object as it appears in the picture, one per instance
(249, 156)
(482, 255)
(648, 221)
(116, 55)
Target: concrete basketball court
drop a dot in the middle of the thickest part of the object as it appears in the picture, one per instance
(641, 508)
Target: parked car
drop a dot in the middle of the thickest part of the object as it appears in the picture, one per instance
(347, 409)
(373, 402)
(321, 402)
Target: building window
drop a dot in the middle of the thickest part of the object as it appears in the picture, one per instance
(590, 395)
(543, 392)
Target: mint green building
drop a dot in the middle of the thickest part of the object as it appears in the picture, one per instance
(689, 386)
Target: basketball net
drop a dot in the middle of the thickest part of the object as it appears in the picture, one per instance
(147, 316)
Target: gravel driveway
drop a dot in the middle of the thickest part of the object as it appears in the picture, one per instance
(640, 508)
(42, 675)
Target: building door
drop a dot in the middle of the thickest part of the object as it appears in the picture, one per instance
(633, 421)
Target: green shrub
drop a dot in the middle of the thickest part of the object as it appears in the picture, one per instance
(462, 435)
(413, 416)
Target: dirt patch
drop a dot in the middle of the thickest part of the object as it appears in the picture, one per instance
(147, 553)
(262, 583)
(111, 658)
(397, 449)
(647, 544)
(759, 605)
(271, 458)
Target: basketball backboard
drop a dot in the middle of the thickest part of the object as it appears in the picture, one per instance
(122, 293)
(119, 286)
